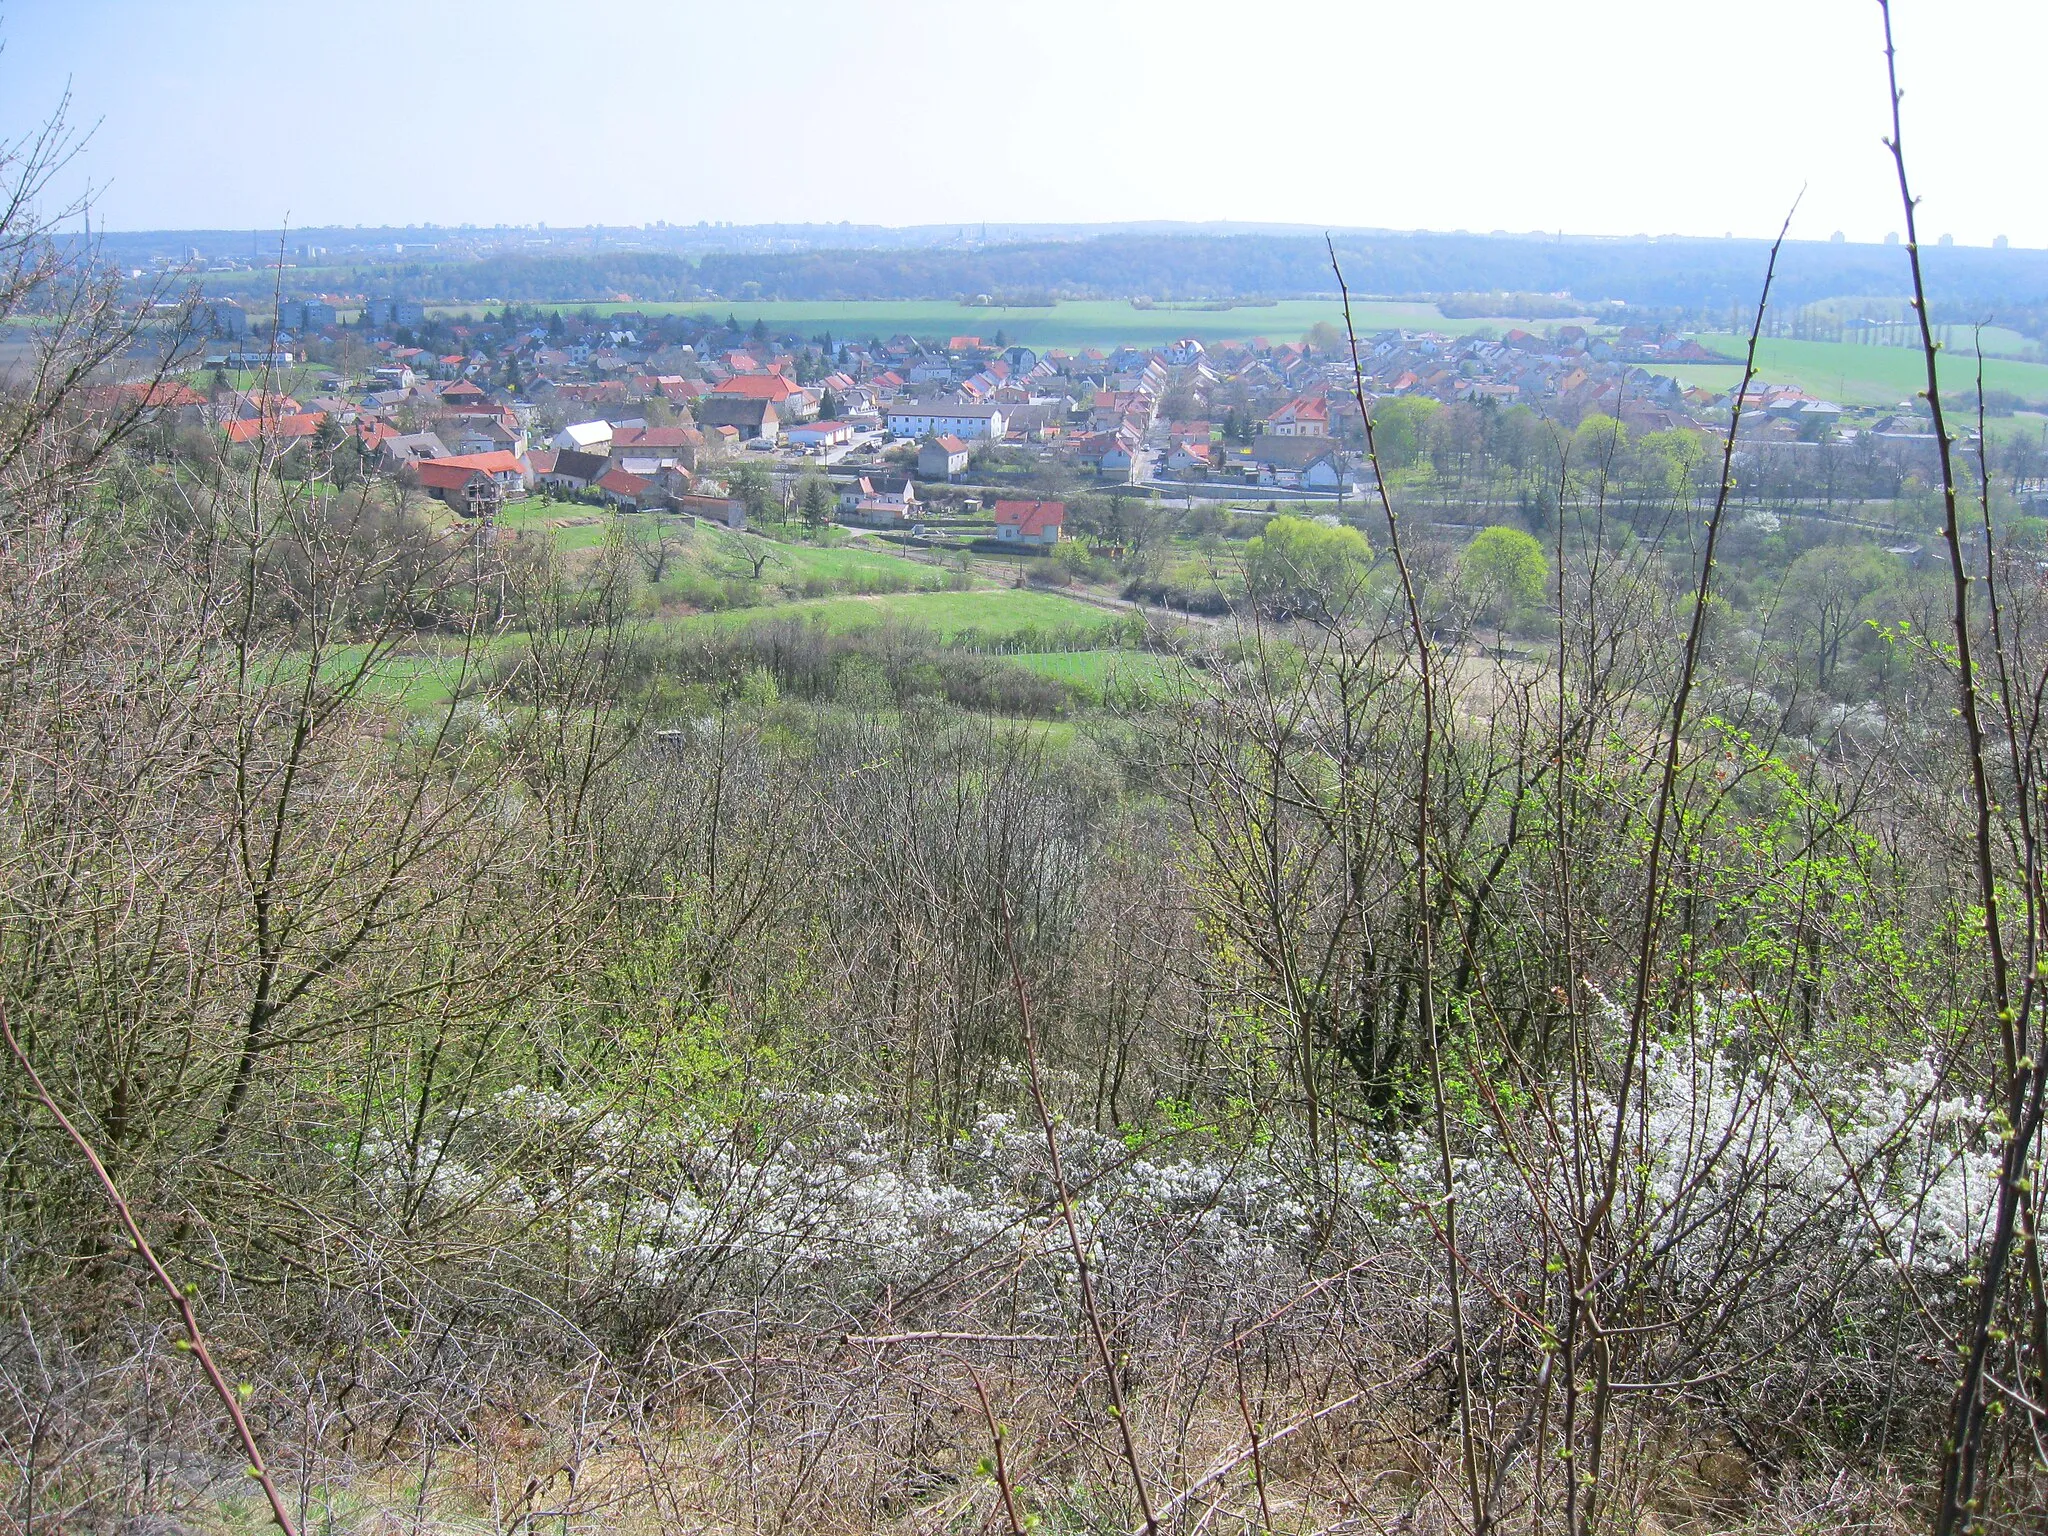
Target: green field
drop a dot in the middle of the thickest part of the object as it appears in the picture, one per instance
(1853, 375)
(1082, 323)
(994, 612)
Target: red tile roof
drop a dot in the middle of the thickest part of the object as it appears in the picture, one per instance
(302, 425)
(655, 437)
(454, 472)
(772, 387)
(1031, 518)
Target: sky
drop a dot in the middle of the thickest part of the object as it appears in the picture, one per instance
(1611, 117)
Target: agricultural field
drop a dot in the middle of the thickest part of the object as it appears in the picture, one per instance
(1856, 375)
(1083, 323)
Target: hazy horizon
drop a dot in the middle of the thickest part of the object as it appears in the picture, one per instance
(1685, 120)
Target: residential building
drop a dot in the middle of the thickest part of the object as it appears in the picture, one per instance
(575, 470)
(946, 418)
(585, 437)
(397, 449)
(942, 457)
(1306, 416)
(1035, 524)
(475, 483)
(753, 420)
(879, 499)
(629, 492)
(662, 445)
(1312, 463)
(291, 429)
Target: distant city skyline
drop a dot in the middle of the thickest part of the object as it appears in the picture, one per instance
(1609, 117)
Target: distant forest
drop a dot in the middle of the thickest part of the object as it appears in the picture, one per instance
(1700, 275)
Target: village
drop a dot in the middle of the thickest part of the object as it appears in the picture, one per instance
(636, 411)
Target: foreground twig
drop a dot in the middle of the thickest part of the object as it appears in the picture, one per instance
(195, 1340)
(1425, 879)
(2022, 1097)
(1089, 1307)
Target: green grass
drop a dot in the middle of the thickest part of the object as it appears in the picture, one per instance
(1853, 375)
(994, 612)
(416, 679)
(1083, 323)
(301, 381)
(1092, 672)
(845, 563)
(571, 524)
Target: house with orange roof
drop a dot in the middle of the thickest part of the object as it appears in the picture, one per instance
(1303, 416)
(290, 430)
(1037, 524)
(474, 484)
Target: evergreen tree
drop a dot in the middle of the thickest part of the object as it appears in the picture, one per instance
(815, 500)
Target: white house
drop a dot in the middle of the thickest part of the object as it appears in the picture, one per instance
(946, 418)
(1311, 462)
(941, 458)
(586, 437)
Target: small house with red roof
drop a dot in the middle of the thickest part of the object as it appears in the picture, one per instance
(1034, 523)
(627, 491)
